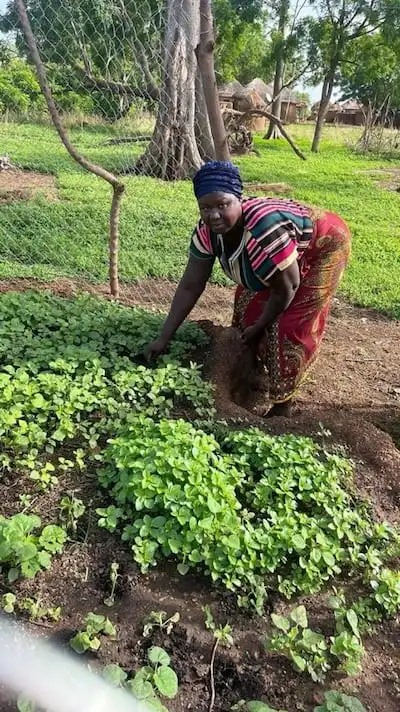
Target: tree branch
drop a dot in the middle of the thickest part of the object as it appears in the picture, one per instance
(120, 88)
(271, 117)
(289, 83)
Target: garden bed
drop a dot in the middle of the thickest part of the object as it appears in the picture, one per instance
(79, 578)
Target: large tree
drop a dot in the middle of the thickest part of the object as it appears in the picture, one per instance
(371, 73)
(127, 50)
(243, 50)
(339, 24)
(287, 51)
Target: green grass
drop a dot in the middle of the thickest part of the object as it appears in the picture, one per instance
(68, 236)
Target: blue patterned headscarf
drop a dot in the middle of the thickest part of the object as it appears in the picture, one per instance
(218, 177)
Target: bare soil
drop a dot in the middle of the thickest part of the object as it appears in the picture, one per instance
(24, 185)
(354, 392)
(387, 178)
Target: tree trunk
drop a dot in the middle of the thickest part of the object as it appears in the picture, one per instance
(173, 153)
(326, 95)
(273, 128)
(204, 137)
(205, 57)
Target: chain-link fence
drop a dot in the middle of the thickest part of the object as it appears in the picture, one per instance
(125, 80)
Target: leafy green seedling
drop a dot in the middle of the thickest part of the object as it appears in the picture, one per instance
(71, 509)
(254, 706)
(161, 620)
(109, 517)
(222, 634)
(36, 611)
(25, 500)
(114, 576)
(293, 638)
(88, 639)
(114, 675)
(25, 705)
(8, 601)
(338, 702)
(346, 644)
(157, 678)
(24, 552)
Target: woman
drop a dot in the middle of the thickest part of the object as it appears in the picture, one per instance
(287, 260)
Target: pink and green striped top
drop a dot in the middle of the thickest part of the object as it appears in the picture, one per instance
(276, 233)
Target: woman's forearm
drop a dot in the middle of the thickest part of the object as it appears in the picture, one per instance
(277, 303)
(182, 304)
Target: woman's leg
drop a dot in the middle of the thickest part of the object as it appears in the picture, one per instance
(294, 340)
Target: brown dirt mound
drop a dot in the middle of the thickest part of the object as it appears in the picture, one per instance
(24, 185)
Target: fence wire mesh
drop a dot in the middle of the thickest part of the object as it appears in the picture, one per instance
(125, 80)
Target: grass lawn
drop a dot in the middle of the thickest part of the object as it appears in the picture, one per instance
(68, 236)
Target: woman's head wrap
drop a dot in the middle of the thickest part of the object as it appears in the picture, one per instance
(217, 177)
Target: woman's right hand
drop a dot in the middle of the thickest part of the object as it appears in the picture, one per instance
(156, 348)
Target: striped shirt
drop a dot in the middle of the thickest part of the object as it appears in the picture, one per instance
(276, 233)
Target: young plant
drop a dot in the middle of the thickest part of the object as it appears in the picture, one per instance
(238, 505)
(88, 638)
(109, 517)
(114, 576)
(26, 705)
(338, 702)
(161, 620)
(24, 552)
(157, 678)
(8, 602)
(386, 591)
(346, 644)
(222, 636)
(25, 501)
(36, 611)
(71, 509)
(254, 706)
(293, 638)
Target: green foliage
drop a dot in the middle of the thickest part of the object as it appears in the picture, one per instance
(370, 72)
(346, 644)
(161, 620)
(71, 509)
(8, 601)
(222, 634)
(151, 681)
(156, 678)
(248, 510)
(73, 378)
(19, 88)
(254, 706)
(36, 611)
(307, 649)
(386, 587)
(24, 551)
(242, 50)
(339, 702)
(25, 705)
(88, 638)
(38, 329)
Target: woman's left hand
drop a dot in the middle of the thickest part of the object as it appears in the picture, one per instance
(252, 334)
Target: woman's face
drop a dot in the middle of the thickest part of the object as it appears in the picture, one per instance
(220, 211)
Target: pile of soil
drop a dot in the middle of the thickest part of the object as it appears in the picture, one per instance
(17, 184)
